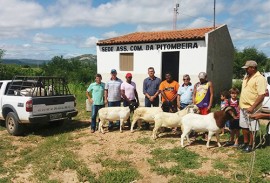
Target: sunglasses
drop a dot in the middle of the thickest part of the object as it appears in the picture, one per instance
(185, 79)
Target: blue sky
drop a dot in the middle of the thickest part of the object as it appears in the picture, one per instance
(41, 29)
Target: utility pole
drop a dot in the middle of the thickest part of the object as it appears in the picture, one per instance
(175, 12)
(214, 14)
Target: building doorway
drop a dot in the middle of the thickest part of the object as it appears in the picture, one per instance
(170, 63)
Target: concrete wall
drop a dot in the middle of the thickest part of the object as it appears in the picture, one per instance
(220, 60)
(192, 61)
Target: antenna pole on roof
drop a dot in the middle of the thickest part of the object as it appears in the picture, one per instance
(214, 14)
(175, 12)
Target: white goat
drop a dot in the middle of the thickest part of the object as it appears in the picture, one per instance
(113, 114)
(171, 120)
(211, 122)
(144, 113)
(35, 91)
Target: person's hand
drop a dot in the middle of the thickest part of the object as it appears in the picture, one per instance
(250, 110)
(91, 101)
(106, 101)
(209, 108)
(256, 116)
(151, 98)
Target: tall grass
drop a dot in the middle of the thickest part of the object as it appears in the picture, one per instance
(79, 90)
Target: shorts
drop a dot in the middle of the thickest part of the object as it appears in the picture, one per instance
(234, 124)
(227, 124)
(204, 111)
(245, 122)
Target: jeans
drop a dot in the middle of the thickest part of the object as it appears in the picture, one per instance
(183, 106)
(95, 109)
(148, 103)
(114, 104)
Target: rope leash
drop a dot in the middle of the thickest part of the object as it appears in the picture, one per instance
(262, 142)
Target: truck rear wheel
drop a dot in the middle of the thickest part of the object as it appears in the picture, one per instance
(12, 124)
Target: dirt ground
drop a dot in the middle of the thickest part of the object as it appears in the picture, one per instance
(96, 144)
(109, 143)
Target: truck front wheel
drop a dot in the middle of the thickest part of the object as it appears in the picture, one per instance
(12, 124)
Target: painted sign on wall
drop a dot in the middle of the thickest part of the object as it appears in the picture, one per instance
(159, 46)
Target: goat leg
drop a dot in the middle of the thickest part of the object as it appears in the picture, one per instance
(218, 139)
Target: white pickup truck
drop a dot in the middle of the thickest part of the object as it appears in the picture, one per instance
(25, 100)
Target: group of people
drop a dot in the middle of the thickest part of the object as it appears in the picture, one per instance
(175, 96)
(252, 95)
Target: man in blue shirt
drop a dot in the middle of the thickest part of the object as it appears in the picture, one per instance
(113, 93)
(185, 93)
(151, 89)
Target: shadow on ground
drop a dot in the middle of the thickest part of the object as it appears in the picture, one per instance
(48, 129)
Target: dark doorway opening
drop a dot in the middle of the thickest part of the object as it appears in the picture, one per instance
(170, 63)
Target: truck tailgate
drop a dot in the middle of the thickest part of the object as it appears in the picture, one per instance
(52, 104)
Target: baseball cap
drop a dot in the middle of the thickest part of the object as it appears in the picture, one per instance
(202, 75)
(128, 75)
(250, 63)
(113, 71)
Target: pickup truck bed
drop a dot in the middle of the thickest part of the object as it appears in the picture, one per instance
(35, 100)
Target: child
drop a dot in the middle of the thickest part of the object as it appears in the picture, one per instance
(224, 103)
(234, 124)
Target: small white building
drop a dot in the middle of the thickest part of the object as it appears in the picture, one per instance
(179, 52)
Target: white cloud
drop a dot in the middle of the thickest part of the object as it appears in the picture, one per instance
(26, 51)
(46, 38)
(89, 42)
(110, 34)
(29, 20)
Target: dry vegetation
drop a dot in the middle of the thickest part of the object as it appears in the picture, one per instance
(71, 154)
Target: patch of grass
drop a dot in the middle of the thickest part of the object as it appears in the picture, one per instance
(124, 152)
(190, 177)
(68, 161)
(7, 152)
(110, 163)
(145, 141)
(221, 166)
(261, 165)
(183, 158)
(79, 91)
(123, 175)
(85, 175)
(5, 180)
(53, 155)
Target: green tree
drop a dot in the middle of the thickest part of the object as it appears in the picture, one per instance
(75, 70)
(249, 53)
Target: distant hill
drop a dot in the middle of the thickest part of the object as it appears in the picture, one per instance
(33, 62)
(86, 58)
(24, 61)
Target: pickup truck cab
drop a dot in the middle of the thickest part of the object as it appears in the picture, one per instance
(26, 100)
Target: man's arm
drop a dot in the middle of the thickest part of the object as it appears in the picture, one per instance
(211, 95)
(260, 116)
(137, 98)
(124, 96)
(178, 101)
(163, 95)
(194, 94)
(256, 103)
(106, 96)
(89, 97)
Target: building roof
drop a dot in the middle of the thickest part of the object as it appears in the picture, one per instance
(158, 36)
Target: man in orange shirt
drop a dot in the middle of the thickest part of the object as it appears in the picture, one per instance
(168, 89)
